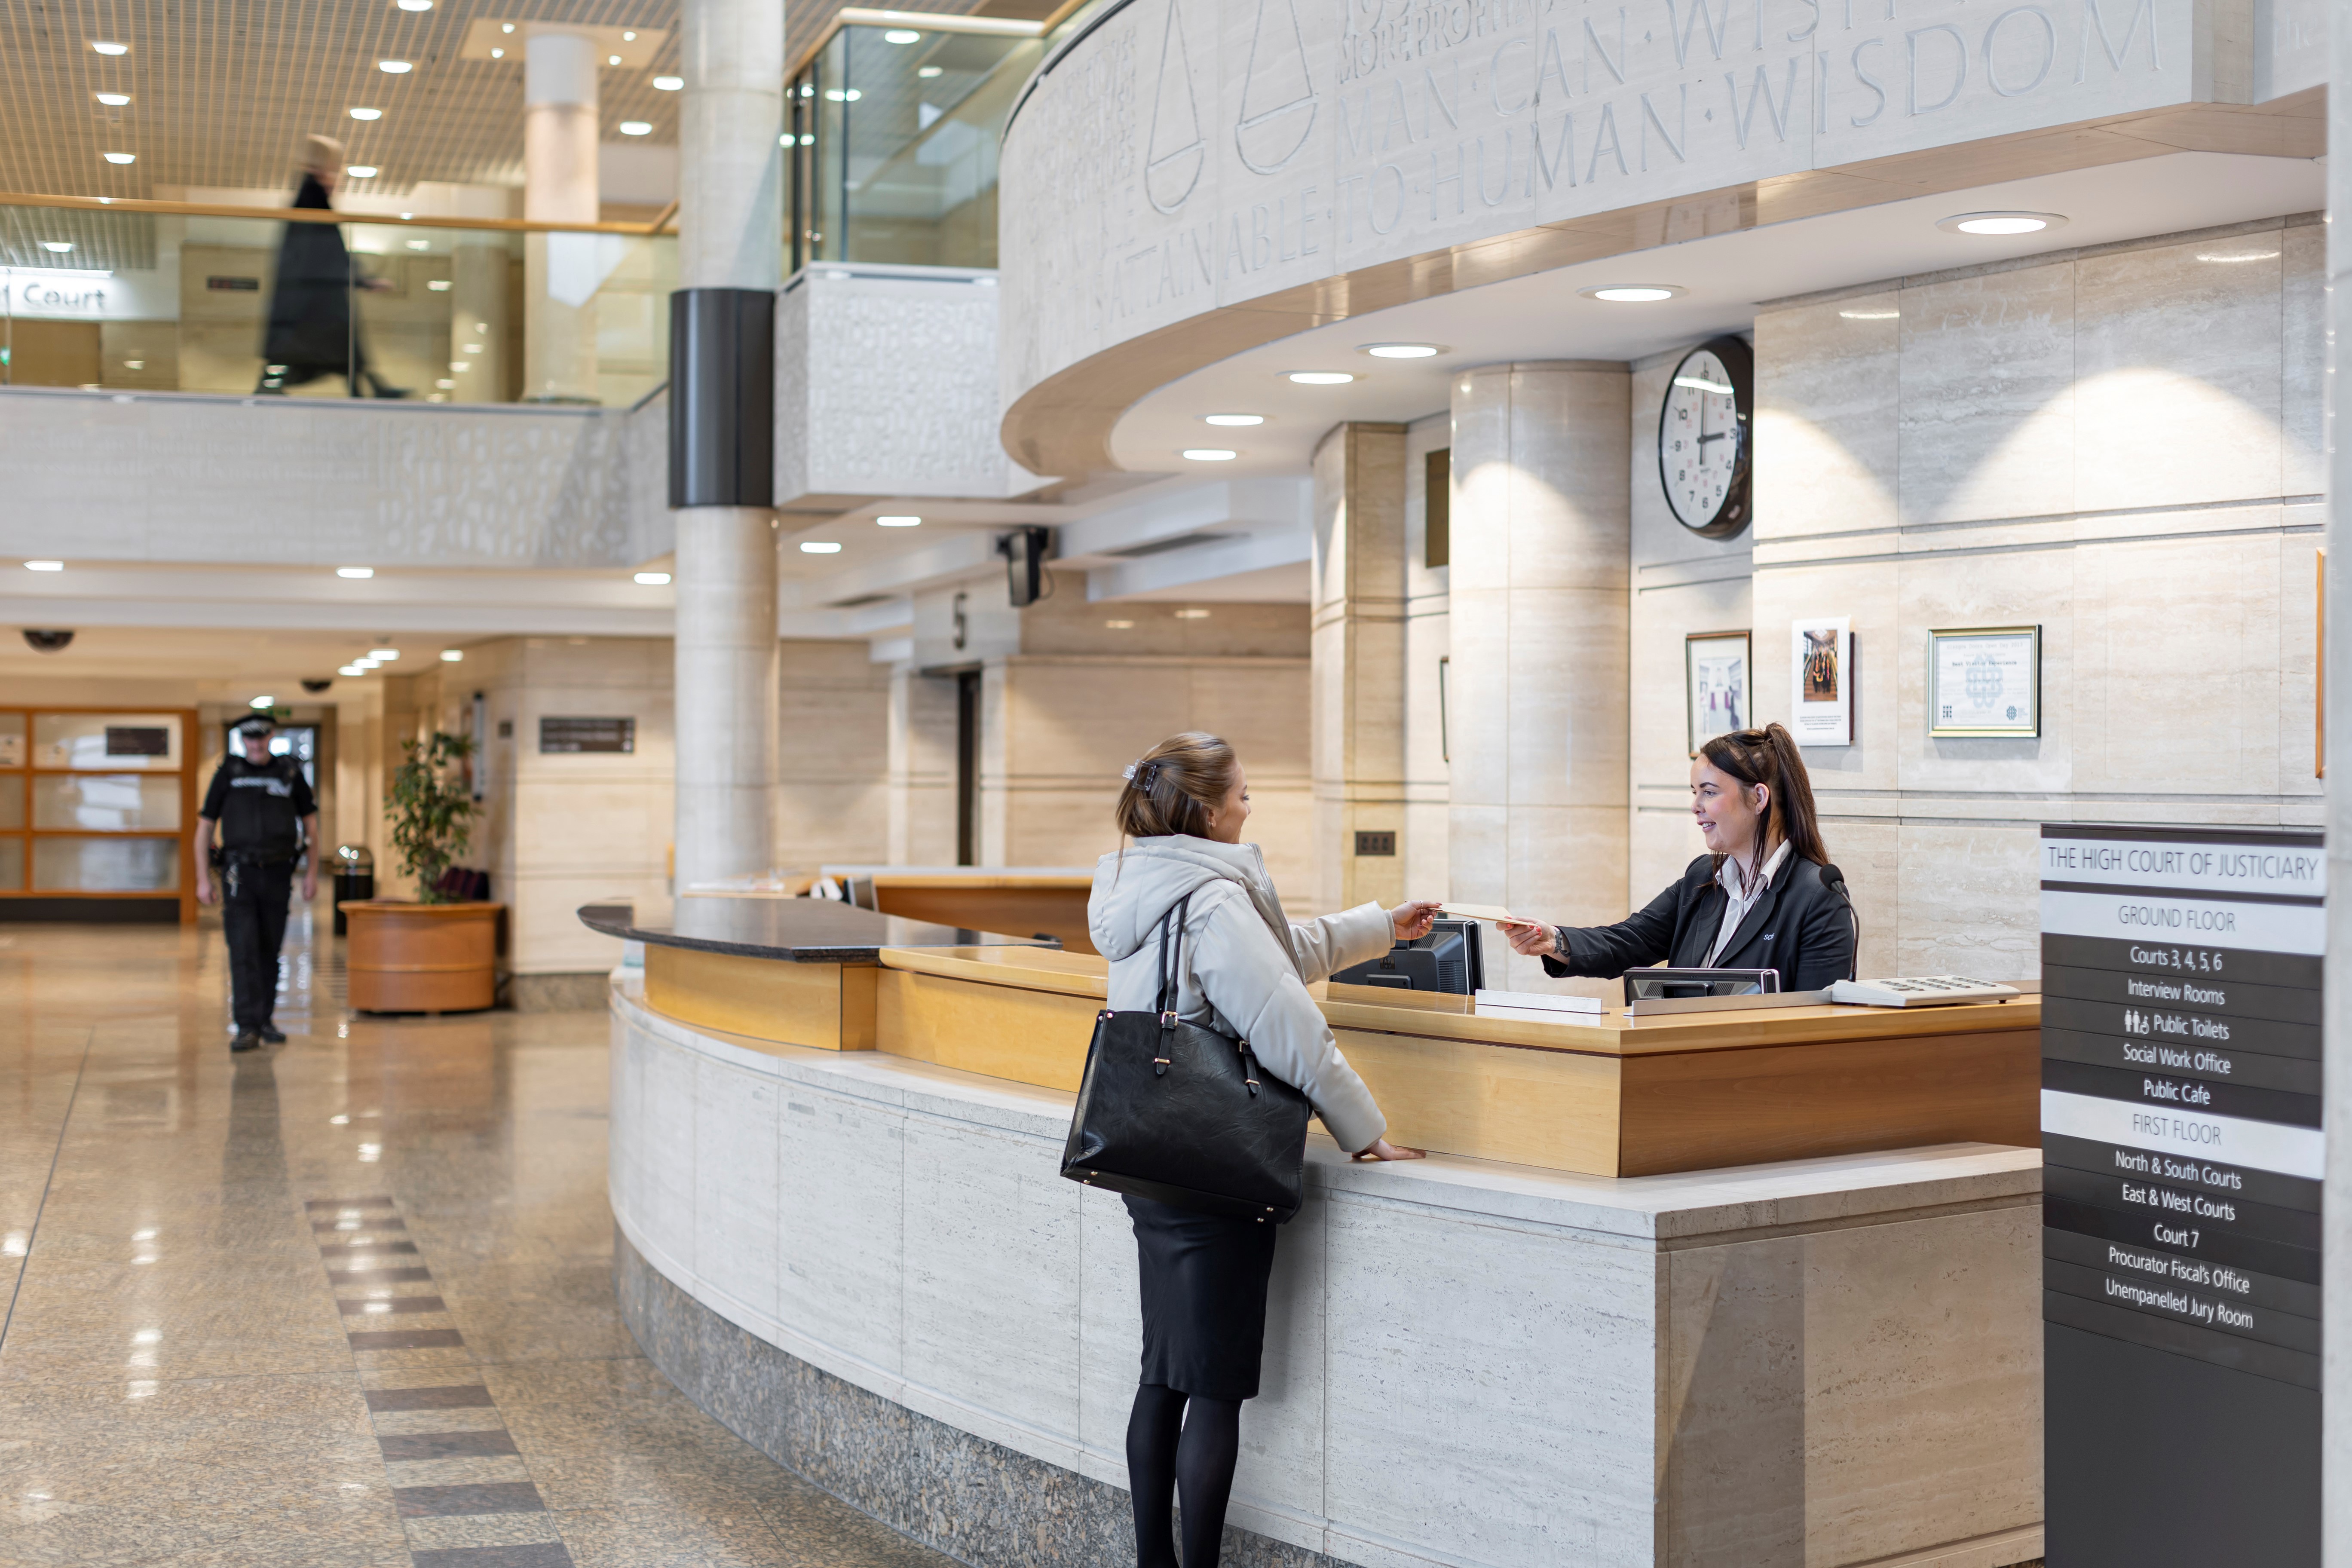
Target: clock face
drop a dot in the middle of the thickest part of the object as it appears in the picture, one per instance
(1702, 446)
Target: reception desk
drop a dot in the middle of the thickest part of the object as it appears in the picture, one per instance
(1724, 1290)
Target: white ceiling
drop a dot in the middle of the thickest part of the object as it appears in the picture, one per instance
(1543, 317)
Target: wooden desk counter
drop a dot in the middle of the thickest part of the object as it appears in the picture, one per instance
(1619, 1097)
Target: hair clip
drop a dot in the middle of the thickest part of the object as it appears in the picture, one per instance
(1127, 773)
(1150, 772)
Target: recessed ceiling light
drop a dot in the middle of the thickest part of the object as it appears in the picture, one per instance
(506, 26)
(1632, 293)
(1321, 377)
(1118, 625)
(383, 655)
(122, 157)
(1232, 420)
(365, 113)
(350, 669)
(60, 245)
(358, 573)
(446, 384)
(1209, 454)
(45, 565)
(453, 656)
(902, 36)
(417, 4)
(2238, 255)
(654, 579)
(628, 38)
(636, 128)
(927, 72)
(612, 59)
(1192, 615)
(669, 83)
(112, 99)
(395, 68)
(899, 521)
(473, 348)
(1403, 351)
(263, 702)
(1871, 315)
(836, 95)
(1998, 224)
(819, 547)
(417, 244)
(497, 54)
(364, 665)
(367, 171)
(134, 364)
(109, 49)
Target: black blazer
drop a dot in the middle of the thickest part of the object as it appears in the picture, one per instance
(1800, 927)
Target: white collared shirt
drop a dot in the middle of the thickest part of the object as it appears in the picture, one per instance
(1739, 900)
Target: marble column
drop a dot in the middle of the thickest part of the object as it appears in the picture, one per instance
(558, 185)
(1536, 688)
(725, 579)
(2336, 1401)
(731, 236)
(1357, 704)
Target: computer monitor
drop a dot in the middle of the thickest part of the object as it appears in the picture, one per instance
(1450, 959)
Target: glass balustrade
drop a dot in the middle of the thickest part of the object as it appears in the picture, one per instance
(163, 296)
(892, 130)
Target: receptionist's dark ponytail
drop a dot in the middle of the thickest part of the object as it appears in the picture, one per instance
(1769, 757)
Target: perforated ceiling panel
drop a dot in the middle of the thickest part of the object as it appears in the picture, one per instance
(222, 91)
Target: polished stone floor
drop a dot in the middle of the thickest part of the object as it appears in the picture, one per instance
(343, 1301)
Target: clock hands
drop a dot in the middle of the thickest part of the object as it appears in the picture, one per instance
(1718, 435)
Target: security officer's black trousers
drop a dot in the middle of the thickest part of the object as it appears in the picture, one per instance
(253, 896)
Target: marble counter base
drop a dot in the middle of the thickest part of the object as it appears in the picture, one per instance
(1823, 1363)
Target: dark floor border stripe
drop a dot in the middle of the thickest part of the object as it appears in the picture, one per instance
(543, 1555)
(392, 1304)
(407, 1340)
(405, 1446)
(447, 1397)
(978, 1501)
(313, 1205)
(483, 1496)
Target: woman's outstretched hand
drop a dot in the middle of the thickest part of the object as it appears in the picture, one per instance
(1530, 939)
(1411, 917)
(1381, 1149)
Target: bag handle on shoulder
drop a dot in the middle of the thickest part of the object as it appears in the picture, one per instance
(1170, 996)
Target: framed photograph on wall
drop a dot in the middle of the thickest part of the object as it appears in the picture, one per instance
(1714, 678)
(1985, 681)
(1821, 680)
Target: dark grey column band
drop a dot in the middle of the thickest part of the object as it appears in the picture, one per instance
(722, 397)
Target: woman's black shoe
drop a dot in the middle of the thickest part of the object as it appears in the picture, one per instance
(273, 1033)
(246, 1040)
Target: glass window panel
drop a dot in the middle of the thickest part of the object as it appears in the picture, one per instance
(12, 800)
(12, 864)
(148, 742)
(105, 803)
(106, 865)
(12, 740)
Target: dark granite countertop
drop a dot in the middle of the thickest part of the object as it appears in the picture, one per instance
(801, 930)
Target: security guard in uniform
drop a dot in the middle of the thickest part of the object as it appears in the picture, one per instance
(263, 807)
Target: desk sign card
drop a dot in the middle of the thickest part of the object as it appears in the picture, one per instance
(1986, 682)
(1821, 681)
(2182, 1158)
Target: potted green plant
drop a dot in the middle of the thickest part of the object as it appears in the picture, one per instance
(436, 954)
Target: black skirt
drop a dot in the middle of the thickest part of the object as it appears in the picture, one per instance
(1205, 1278)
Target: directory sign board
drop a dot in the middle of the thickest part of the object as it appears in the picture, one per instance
(2181, 1169)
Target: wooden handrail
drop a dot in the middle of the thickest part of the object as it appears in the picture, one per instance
(315, 214)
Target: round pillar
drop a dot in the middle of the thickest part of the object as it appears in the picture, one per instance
(1536, 678)
(558, 185)
(731, 166)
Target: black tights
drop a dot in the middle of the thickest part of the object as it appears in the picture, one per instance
(1172, 1450)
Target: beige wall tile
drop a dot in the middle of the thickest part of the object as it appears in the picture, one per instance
(1826, 376)
(1985, 416)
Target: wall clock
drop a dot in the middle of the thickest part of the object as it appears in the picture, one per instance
(1705, 444)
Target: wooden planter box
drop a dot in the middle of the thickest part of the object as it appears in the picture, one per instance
(406, 957)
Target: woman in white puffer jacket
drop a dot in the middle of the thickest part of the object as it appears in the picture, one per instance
(1247, 969)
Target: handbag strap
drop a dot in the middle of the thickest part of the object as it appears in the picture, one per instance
(1170, 996)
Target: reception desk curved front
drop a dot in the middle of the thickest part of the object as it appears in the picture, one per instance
(865, 1262)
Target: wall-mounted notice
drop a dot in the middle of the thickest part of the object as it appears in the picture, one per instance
(1821, 681)
(587, 734)
(2182, 1167)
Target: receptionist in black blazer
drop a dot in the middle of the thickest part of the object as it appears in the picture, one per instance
(1764, 896)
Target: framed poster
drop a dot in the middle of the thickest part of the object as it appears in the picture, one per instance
(1821, 680)
(1985, 681)
(1714, 679)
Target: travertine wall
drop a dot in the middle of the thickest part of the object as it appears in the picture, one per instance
(2122, 444)
(832, 799)
(1359, 656)
(1427, 642)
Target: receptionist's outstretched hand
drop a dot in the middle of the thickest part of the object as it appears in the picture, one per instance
(1412, 919)
(1531, 941)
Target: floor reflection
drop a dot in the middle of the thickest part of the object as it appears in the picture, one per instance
(342, 1302)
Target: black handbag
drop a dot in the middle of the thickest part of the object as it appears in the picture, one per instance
(1181, 1113)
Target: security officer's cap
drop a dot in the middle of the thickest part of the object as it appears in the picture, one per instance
(255, 724)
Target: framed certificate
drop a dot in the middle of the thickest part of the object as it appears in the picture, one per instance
(1985, 681)
(1821, 680)
(1715, 677)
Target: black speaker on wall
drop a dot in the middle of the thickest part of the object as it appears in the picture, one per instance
(722, 397)
(1024, 550)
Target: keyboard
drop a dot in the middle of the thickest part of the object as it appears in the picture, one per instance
(1920, 991)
